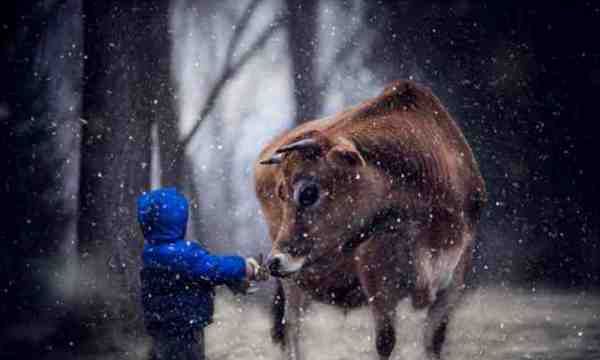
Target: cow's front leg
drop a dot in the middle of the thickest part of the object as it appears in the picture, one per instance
(278, 313)
(385, 332)
(295, 303)
(379, 268)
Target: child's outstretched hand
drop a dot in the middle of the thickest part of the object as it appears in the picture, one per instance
(255, 270)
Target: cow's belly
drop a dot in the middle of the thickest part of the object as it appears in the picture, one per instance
(334, 284)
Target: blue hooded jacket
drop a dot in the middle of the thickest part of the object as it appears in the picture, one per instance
(178, 276)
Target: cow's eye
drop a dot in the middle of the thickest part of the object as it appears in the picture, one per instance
(307, 194)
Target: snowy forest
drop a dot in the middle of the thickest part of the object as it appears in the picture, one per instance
(103, 100)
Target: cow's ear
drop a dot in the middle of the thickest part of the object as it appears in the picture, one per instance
(345, 154)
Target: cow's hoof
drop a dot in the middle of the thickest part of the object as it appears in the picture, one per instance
(278, 335)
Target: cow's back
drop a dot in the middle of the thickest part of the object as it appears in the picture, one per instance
(410, 136)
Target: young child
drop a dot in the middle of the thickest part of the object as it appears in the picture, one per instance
(178, 277)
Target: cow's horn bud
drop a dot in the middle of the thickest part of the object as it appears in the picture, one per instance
(305, 144)
(275, 159)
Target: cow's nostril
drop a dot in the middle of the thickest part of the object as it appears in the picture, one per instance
(274, 264)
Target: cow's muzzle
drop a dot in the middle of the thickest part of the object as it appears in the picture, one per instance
(284, 265)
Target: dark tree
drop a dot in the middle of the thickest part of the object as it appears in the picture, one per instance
(126, 89)
(33, 167)
(303, 37)
(311, 78)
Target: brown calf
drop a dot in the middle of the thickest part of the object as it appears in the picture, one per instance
(368, 206)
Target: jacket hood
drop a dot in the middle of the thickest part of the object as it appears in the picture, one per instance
(163, 215)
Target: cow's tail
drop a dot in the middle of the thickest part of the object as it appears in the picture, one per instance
(278, 312)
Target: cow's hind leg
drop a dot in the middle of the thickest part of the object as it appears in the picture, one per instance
(442, 254)
(436, 325)
(439, 313)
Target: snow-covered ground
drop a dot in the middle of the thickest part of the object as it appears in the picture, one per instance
(491, 324)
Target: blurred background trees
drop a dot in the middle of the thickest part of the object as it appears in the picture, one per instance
(102, 100)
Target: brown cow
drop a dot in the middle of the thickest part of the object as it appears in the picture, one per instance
(368, 206)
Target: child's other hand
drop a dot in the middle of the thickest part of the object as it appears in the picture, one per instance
(255, 271)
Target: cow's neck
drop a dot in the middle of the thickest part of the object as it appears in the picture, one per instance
(385, 220)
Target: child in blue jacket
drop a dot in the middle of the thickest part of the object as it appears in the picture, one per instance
(178, 277)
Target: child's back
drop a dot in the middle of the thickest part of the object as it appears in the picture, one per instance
(178, 276)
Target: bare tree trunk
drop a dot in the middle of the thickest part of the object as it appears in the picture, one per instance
(176, 169)
(165, 114)
(119, 102)
(303, 47)
(196, 225)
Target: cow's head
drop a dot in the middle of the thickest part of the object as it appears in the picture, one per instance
(321, 192)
